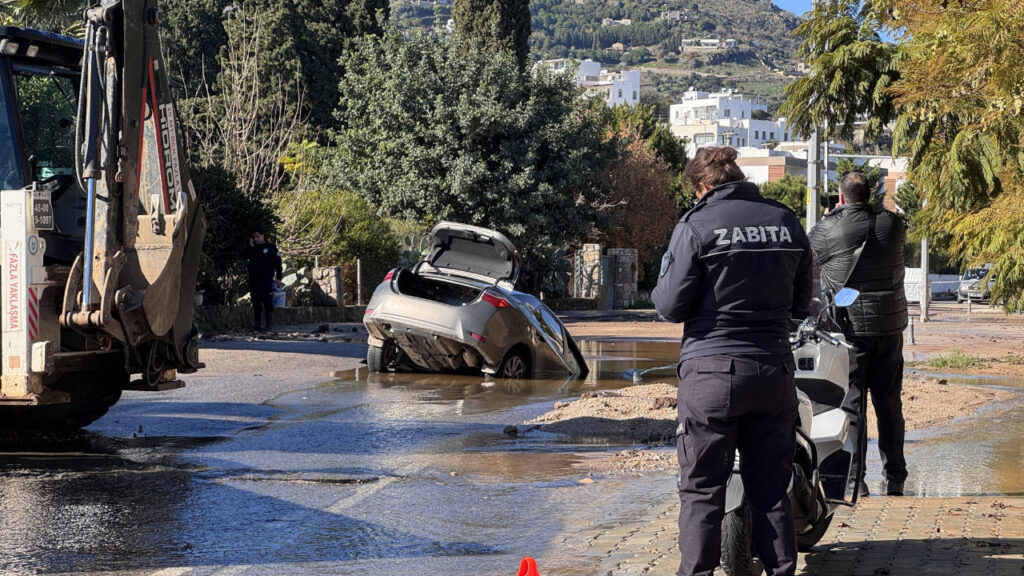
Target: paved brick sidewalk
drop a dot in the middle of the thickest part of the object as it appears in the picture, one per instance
(881, 536)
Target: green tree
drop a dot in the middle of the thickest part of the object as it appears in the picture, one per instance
(667, 146)
(851, 68)
(495, 24)
(231, 217)
(192, 33)
(333, 226)
(469, 136)
(64, 16)
(790, 190)
(322, 31)
(952, 81)
(961, 122)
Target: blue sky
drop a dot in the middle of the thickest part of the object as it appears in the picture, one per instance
(797, 7)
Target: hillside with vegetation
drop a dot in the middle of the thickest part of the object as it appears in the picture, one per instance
(650, 35)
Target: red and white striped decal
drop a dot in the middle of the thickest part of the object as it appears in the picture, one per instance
(33, 314)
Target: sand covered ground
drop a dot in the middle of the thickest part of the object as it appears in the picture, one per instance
(646, 413)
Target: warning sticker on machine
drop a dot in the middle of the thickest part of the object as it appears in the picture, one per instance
(12, 288)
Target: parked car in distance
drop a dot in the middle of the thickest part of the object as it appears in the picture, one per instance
(973, 285)
(457, 309)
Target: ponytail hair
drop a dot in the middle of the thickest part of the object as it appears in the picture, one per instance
(713, 166)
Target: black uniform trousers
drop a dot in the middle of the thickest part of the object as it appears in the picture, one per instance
(262, 302)
(876, 365)
(728, 403)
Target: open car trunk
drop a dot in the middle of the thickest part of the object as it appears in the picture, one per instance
(435, 288)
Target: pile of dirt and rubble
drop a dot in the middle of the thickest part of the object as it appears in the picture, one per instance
(646, 414)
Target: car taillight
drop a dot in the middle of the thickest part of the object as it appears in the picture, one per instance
(478, 337)
(389, 275)
(368, 310)
(496, 301)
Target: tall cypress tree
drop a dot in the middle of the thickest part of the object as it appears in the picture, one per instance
(496, 24)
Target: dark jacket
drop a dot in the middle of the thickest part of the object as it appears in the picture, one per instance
(881, 308)
(737, 269)
(264, 266)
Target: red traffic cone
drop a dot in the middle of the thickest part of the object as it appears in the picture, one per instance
(528, 567)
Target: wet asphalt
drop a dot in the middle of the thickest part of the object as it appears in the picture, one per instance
(288, 458)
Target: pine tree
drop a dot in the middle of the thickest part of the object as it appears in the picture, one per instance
(495, 24)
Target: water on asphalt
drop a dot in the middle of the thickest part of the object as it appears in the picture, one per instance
(384, 474)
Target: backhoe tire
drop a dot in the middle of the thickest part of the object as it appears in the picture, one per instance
(382, 358)
(737, 550)
(92, 394)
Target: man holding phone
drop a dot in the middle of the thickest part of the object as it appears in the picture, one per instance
(265, 273)
(858, 247)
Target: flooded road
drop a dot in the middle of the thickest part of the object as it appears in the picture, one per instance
(353, 473)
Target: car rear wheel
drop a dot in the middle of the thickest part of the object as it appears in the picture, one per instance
(516, 365)
(382, 358)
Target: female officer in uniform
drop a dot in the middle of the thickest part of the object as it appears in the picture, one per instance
(737, 269)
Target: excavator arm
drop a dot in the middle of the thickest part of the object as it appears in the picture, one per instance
(134, 281)
(101, 231)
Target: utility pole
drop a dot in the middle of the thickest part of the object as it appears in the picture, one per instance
(926, 291)
(813, 180)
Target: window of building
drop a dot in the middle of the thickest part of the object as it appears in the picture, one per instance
(620, 92)
(771, 136)
(703, 139)
(634, 95)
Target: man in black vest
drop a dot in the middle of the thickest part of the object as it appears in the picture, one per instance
(875, 322)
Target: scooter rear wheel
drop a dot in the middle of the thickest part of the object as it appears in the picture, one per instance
(814, 535)
(737, 552)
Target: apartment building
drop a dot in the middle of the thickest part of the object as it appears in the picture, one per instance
(723, 119)
(615, 88)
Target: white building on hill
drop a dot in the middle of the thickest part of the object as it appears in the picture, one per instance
(614, 87)
(723, 119)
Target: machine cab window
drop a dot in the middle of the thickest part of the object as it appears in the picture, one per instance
(11, 166)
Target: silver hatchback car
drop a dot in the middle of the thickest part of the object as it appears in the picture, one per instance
(457, 309)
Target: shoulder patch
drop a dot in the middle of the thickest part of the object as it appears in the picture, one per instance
(666, 261)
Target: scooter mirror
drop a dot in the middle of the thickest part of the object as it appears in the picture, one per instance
(846, 296)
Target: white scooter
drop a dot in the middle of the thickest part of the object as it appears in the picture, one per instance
(822, 465)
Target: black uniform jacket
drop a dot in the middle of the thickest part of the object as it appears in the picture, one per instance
(264, 266)
(881, 308)
(737, 269)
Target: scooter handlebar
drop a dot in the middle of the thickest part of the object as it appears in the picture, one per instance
(831, 339)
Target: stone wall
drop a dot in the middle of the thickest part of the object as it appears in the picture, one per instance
(625, 276)
(614, 289)
(588, 273)
(327, 287)
(240, 316)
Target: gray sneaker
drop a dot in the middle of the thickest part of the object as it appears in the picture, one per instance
(891, 487)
